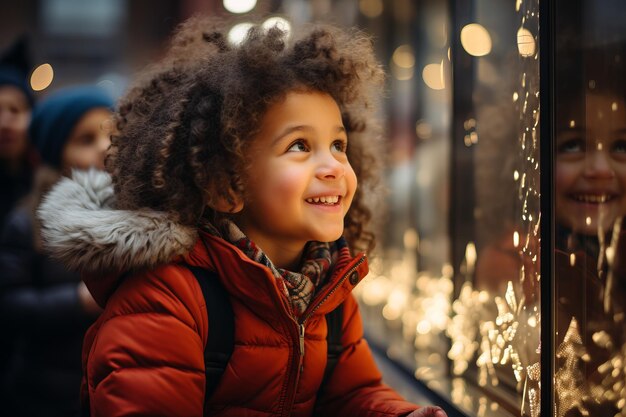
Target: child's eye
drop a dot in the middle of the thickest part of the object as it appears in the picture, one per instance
(298, 146)
(619, 146)
(86, 140)
(340, 145)
(572, 146)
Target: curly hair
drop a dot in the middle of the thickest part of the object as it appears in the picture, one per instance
(183, 129)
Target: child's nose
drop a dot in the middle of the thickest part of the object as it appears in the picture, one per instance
(104, 142)
(598, 165)
(330, 168)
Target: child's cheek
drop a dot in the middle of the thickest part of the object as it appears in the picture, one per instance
(288, 185)
(351, 186)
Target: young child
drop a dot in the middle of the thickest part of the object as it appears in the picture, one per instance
(45, 309)
(242, 160)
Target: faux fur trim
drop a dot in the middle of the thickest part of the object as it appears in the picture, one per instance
(81, 228)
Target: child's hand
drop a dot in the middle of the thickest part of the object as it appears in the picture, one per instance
(428, 412)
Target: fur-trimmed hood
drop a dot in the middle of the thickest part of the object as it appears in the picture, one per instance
(81, 227)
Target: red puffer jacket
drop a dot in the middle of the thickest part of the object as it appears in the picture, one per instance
(144, 355)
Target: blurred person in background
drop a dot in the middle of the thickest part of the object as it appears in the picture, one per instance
(45, 309)
(16, 102)
(17, 160)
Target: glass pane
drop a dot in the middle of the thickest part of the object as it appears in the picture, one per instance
(406, 298)
(590, 203)
(495, 327)
(455, 290)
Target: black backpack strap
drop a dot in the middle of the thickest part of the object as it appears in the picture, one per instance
(221, 320)
(334, 322)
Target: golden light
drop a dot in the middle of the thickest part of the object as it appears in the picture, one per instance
(433, 76)
(411, 239)
(279, 22)
(476, 40)
(238, 33)
(470, 254)
(371, 8)
(239, 6)
(403, 56)
(525, 43)
(423, 129)
(515, 239)
(42, 77)
(614, 106)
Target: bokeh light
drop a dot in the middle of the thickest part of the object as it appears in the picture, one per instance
(239, 6)
(238, 33)
(42, 77)
(371, 8)
(476, 40)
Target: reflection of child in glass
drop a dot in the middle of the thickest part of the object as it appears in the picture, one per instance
(243, 160)
(590, 202)
(590, 191)
(44, 308)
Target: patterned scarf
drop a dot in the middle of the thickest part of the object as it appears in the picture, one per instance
(298, 287)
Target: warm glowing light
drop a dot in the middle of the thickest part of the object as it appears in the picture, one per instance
(239, 6)
(599, 146)
(279, 22)
(470, 254)
(238, 33)
(423, 327)
(572, 123)
(610, 254)
(515, 96)
(476, 40)
(376, 291)
(403, 57)
(371, 8)
(42, 77)
(469, 123)
(614, 106)
(411, 239)
(515, 239)
(515, 175)
(423, 129)
(525, 42)
(587, 220)
(433, 77)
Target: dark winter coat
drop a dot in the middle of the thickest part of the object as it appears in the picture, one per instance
(42, 323)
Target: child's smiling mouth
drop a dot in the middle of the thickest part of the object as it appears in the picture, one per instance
(330, 200)
(593, 198)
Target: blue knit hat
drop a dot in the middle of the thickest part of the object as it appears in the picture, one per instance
(54, 119)
(14, 68)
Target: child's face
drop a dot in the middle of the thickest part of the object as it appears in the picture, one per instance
(14, 118)
(591, 165)
(88, 142)
(298, 161)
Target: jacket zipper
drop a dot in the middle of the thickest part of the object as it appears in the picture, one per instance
(301, 332)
